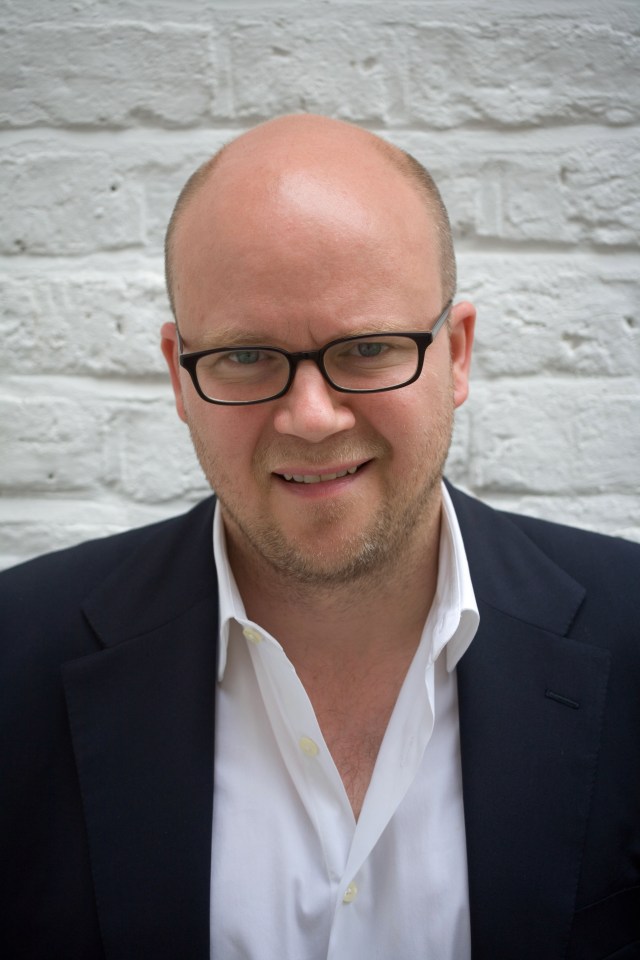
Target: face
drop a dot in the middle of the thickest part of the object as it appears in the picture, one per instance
(320, 486)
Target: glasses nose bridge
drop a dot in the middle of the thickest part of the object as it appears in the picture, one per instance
(315, 356)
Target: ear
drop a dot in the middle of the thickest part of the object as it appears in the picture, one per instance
(462, 321)
(170, 349)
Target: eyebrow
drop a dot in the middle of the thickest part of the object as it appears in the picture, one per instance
(233, 339)
(225, 336)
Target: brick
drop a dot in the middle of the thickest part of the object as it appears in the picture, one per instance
(154, 456)
(550, 191)
(552, 436)
(51, 443)
(601, 191)
(166, 12)
(62, 203)
(574, 316)
(580, 195)
(520, 71)
(342, 66)
(135, 446)
(83, 324)
(121, 74)
(397, 67)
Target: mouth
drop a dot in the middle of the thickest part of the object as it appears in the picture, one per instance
(320, 477)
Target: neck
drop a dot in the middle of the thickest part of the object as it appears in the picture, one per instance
(363, 621)
(350, 644)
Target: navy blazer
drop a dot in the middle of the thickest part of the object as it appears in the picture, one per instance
(108, 661)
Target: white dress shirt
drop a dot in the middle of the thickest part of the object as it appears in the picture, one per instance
(293, 875)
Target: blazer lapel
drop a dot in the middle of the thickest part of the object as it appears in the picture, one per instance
(531, 704)
(141, 713)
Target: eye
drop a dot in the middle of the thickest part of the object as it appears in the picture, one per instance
(355, 350)
(243, 362)
(244, 356)
(369, 349)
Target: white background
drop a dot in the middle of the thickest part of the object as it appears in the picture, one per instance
(528, 117)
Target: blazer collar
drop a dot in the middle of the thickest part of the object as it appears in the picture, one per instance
(510, 572)
(170, 570)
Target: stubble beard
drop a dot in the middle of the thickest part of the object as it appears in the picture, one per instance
(369, 557)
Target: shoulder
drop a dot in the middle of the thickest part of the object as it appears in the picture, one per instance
(75, 569)
(533, 568)
(569, 540)
(584, 553)
(41, 600)
(608, 567)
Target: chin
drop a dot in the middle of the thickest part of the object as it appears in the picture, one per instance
(326, 559)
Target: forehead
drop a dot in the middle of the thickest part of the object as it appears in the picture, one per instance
(266, 242)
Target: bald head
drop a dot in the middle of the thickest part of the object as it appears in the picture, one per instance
(289, 147)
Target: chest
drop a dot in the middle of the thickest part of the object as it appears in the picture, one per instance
(353, 718)
(284, 820)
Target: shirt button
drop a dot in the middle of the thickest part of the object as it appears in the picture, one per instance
(252, 635)
(308, 746)
(350, 893)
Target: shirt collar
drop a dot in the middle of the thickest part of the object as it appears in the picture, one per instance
(452, 621)
(455, 600)
(230, 603)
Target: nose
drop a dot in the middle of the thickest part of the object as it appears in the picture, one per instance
(311, 409)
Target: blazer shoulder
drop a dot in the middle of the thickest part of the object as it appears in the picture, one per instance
(590, 557)
(580, 552)
(529, 567)
(563, 536)
(42, 601)
(74, 570)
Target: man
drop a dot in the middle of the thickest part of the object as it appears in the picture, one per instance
(426, 713)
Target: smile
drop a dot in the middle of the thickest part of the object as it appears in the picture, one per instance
(316, 477)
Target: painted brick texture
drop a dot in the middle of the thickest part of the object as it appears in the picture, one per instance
(527, 115)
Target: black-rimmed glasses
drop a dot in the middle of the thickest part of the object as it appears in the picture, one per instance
(366, 363)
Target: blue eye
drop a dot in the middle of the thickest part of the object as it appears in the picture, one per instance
(370, 349)
(244, 356)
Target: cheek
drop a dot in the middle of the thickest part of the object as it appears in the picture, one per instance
(420, 422)
(227, 436)
(417, 409)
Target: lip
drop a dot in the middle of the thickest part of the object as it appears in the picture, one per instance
(311, 477)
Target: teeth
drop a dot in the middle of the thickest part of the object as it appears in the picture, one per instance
(317, 478)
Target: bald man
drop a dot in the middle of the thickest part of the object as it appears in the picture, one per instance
(340, 709)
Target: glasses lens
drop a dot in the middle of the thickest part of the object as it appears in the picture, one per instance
(372, 363)
(241, 376)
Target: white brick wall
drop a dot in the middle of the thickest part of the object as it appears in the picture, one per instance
(527, 114)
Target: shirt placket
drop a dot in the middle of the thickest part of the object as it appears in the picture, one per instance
(303, 750)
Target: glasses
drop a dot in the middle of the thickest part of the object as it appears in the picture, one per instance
(366, 363)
